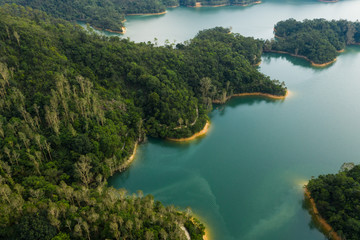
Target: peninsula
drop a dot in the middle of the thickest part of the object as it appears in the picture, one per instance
(196, 135)
(334, 201)
(318, 41)
(94, 98)
(323, 226)
(267, 95)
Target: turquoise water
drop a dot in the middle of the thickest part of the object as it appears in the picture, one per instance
(244, 178)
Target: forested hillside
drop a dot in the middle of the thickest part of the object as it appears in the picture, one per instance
(337, 199)
(110, 14)
(318, 40)
(74, 104)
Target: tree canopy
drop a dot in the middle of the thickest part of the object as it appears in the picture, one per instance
(337, 199)
(318, 40)
(109, 14)
(73, 104)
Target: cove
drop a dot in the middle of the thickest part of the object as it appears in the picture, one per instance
(244, 178)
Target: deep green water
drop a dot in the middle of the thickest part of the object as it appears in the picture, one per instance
(244, 179)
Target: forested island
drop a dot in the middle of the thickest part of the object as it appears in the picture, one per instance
(110, 15)
(318, 41)
(336, 197)
(74, 105)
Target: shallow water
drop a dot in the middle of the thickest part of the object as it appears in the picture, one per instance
(244, 178)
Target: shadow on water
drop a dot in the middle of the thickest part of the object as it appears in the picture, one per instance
(135, 18)
(244, 101)
(175, 145)
(267, 57)
(352, 49)
(306, 206)
(314, 222)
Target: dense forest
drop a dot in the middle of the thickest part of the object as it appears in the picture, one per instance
(192, 3)
(318, 40)
(74, 104)
(110, 14)
(337, 200)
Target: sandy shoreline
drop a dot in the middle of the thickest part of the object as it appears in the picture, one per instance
(322, 64)
(198, 4)
(254, 94)
(257, 64)
(325, 227)
(206, 236)
(303, 57)
(128, 162)
(146, 14)
(198, 134)
(112, 31)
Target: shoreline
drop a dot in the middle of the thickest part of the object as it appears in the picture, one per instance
(322, 64)
(112, 31)
(303, 57)
(198, 4)
(257, 64)
(129, 161)
(254, 94)
(145, 14)
(206, 235)
(324, 226)
(198, 134)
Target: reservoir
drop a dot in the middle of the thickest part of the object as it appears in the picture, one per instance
(244, 178)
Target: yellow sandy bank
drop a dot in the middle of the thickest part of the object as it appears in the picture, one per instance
(322, 64)
(258, 64)
(303, 57)
(146, 14)
(325, 227)
(262, 94)
(254, 94)
(127, 163)
(198, 4)
(198, 134)
(206, 236)
(249, 4)
(123, 30)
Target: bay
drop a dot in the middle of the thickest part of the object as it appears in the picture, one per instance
(244, 178)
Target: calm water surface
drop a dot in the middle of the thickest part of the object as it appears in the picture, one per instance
(244, 179)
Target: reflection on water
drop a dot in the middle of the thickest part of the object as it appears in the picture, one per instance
(244, 101)
(245, 177)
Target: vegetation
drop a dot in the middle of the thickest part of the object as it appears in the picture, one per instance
(109, 14)
(99, 13)
(337, 200)
(216, 2)
(72, 106)
(318, 40)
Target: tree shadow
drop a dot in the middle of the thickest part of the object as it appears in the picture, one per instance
(243, 101)
(297, 61)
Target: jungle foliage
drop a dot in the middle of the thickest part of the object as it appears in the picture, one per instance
(337, 199)
(108, 14)
(318, 40)
(73, 104)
